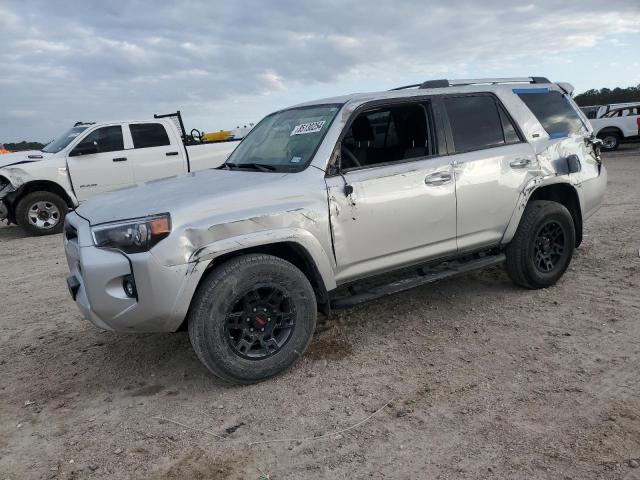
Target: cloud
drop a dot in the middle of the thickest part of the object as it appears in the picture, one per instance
(72, 60)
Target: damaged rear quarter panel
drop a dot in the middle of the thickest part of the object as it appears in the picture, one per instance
(551, 158)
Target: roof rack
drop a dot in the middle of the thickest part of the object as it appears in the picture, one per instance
(443, 83)
(77, 124)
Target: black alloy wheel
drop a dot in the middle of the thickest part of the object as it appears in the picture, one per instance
(260, 323)
(549, 246)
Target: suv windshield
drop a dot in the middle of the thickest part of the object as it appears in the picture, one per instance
(284, 141)
(64, 140)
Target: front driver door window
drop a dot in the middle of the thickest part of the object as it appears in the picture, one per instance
(103, 169)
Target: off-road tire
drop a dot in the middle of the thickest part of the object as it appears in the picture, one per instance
(611, 145)
(31, 199)
(521, 257)
(217, 295)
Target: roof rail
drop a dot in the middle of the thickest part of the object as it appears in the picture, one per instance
(443, 83)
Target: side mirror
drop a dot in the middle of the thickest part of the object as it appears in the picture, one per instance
(84, 148)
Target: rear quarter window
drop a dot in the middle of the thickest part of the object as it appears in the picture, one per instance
(554, 112)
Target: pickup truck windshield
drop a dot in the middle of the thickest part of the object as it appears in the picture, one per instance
(64, 140)
(284, 141)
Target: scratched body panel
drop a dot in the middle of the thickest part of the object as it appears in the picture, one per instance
(391, 215)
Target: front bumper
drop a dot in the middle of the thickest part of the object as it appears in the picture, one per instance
(96, 281)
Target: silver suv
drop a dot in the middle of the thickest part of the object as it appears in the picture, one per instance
(321, 202)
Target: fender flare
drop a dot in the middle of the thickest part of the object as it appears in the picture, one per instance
(525, 195)
(204, 256)
(303, 238)
(610, 129)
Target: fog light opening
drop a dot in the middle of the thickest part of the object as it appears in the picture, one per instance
(129, 286)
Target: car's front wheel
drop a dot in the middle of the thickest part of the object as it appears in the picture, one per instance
(252, 318)
(41, 213)
(543, 245)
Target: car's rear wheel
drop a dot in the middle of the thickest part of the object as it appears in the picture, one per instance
(543, 245)
(41, 213)
(252, 318)
(610, 141)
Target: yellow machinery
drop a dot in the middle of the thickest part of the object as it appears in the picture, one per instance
(216, 136)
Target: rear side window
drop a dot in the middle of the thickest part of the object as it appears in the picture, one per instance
(477, 122)
(107, 139)
(145, 135)
(553, 111)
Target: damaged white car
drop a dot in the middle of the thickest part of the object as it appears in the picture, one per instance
(38, 188)
(321, 201)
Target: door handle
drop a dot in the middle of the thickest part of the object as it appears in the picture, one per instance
(170, 154)
(520, 163)
(120, 159)
(438, 178)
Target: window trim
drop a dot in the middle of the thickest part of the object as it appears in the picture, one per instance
(502, 109)
(435, 139)
(498, 103)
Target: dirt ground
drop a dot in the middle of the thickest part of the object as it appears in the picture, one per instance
(480, 379)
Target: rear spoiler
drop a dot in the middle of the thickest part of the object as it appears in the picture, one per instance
(566, 88)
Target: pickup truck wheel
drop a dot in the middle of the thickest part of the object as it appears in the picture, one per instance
(41, 213)
(543, 245)
(610, 141)
(252, 318)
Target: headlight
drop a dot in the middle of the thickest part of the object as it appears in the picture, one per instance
(133, 236)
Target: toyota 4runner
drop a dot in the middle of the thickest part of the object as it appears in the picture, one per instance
(322, 202)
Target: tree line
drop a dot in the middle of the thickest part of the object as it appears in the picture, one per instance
(605, 96)
(22, 146)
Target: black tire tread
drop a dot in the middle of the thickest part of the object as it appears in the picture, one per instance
(198, 313)
(517, 249)
(613, 134)
(23, 204)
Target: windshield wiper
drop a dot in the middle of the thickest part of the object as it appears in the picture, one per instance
(263, 167)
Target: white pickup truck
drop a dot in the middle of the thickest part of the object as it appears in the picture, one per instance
(38, 188)
(618, 125)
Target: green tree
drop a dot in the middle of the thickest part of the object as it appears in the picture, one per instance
(605, 96)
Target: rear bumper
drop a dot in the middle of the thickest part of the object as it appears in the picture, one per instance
(96, 281)
(592, 192)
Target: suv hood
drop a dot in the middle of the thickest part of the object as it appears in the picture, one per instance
(202, 194)
(23, 157)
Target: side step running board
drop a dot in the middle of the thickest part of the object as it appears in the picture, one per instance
(424, 277)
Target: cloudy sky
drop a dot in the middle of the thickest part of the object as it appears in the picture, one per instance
(225, 63)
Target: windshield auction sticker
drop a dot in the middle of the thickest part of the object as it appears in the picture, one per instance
(305, 128)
